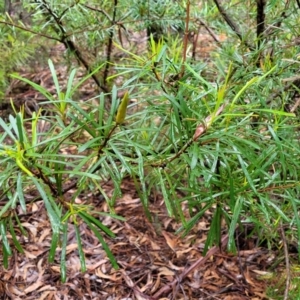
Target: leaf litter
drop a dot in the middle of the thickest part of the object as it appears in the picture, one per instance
(155, 263)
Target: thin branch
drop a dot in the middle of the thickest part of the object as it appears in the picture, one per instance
(260, 27)
(110, 43)
(69, 44)
(260, 20)
(232, 25)
(200, 23)
(283, 15)
(210, 31)
(31, 31)
(185, 38)
(200, 130)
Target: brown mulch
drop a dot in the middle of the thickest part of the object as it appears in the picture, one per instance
(154, 262)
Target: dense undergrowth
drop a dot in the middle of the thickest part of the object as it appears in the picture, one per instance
(219, 134)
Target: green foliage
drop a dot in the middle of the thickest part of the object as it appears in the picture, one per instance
(213, 137)
(14, 52)
(35, 159)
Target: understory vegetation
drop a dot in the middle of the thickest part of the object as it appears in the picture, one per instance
(195, 100)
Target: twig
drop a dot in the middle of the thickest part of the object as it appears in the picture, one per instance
(260, 27)
(200, 130)
(195, 265)
(31, 31)
(210, 31)
(260, 20)
(110, 43)
(232, 25)
(69, 44)
(287, 264)
(271, 30)
(186, 37)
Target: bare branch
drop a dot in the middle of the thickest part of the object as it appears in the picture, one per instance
(232, 25)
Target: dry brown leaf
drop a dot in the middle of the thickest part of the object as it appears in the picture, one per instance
(48, 288)
(154, 245)
(156, 285)
(127, 279)
(182, 252)
(166, 271)
(34, 207)
(55, 269)
(173, 267)
(34, 287)
(31, 228)
(45, 296)
(172, 242)
(96, 265)
(148, 284)
(112, 277)
(25, 270)
(249, 279)
(263, 273)
(14, 290)
(46, 232)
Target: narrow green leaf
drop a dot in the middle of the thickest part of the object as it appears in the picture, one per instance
(80, 249)
(97, 223)
(90, 144)
(34, 128)
(3, 233)
(37, 87)
(194, 220)
(14, 237)
(53, 217)
(102, 241)
(235, 217)
(70, 84)
(63, 266)
(231, 193)
(244, 168)
(101, 110)
(81, 174)
(14, 202)
(214, 234)
(195, 155)
(5, 257)
(84, 125)
(75, 88)
(20, 128)
(7, 206)
(275, 112)
(20, 226)
(110, 255)
(7, 129)
(165, 192)
(53, 246)
(54, 77)
(120, 156)
(141, 176)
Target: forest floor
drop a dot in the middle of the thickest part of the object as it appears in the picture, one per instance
(154, 262)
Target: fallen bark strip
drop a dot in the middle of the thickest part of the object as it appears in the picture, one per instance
(167, 288)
